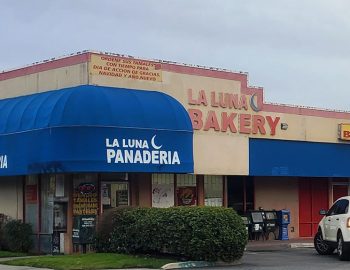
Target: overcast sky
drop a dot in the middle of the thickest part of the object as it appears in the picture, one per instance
(298, 50)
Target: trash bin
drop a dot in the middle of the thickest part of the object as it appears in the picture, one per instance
(257, 224)
(270, 224)
(283, 219)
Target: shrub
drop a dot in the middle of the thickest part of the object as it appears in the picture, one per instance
(105, 227)
(3, 219)
(17, 236)
(198, 233)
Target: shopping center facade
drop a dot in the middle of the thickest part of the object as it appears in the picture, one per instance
(91, 131)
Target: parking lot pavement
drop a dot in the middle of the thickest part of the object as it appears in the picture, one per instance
(288, 259)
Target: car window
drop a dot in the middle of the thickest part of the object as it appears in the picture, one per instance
(340, 207)
(343, 206)
(332, 211)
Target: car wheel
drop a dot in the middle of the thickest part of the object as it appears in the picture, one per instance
(321, 246)
(342, 252)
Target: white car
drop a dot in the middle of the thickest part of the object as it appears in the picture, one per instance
(334, 230)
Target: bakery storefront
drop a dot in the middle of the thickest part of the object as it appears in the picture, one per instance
(85, 149)
(93, 131)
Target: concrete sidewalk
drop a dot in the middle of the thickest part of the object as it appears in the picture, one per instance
(273, 245)
(4, 259)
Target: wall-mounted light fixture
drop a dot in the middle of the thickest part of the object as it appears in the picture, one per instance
(284, 126)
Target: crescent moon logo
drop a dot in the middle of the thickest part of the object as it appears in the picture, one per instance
(154, 144)
(254, 106)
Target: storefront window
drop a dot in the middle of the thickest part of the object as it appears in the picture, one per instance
(186, 189)
(162, 190)
(240, 193)
(60, 203)
(32, 202)
(186, 180)
(114, 194)
(213, 190)
(54, 201)
(47, 203)
(114, 190)
(46, 192)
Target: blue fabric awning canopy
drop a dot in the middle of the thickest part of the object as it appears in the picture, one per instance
(298, 158)
(93, 128)
(93, 106)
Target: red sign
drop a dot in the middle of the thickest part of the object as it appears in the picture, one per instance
(85, 200)
(186, 196)
(86, 188)
(31, 193)
(233, 118)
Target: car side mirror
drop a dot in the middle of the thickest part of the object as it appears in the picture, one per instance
(323, 212)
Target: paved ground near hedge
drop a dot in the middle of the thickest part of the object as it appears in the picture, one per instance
(288, 259)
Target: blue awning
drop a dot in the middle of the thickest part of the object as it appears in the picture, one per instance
(298, 158)
(94, 129)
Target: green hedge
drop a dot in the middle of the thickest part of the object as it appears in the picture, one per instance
(16, 236)
(3, 219)
(197, 233)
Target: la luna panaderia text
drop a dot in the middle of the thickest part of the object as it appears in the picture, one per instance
(233, 115)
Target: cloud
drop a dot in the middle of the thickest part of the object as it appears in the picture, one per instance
(297, 50)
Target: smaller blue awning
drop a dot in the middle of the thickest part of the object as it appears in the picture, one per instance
(94, 129)
(297, 158)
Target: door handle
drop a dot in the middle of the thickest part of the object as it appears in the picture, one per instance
(337, 219)
(329, 219)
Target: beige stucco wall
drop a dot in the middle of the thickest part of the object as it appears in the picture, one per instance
(310, 128)
(220, 155)
(44, 81)
(11, 197)
(279, 193)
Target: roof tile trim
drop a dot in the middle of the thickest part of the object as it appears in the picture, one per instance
(46, 65)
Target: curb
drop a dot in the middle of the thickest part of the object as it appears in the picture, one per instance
(188, 264)
(197, 264)
(267, 249)
(277, 247)
(5, 259)
(301, 245)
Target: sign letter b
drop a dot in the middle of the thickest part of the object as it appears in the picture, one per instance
(346, 134)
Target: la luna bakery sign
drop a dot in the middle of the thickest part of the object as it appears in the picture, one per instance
(228, 112)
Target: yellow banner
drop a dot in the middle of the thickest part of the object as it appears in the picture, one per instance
(125, 68)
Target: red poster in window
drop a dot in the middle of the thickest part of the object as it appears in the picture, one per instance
(186, 196)
(31, 193)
